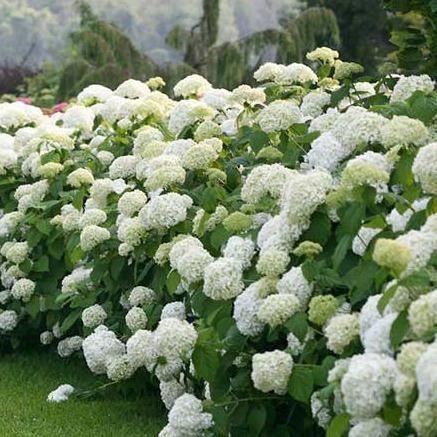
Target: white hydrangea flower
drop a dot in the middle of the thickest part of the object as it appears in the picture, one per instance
(294, 344)
(296, 73)
(279, 115)
(192, 86)
(100, 347)
(119, 368)
(186, 113)
(123, 167)
(244, 94)
(268, 72)
(265, 180)
(276, 309)
(223, 279)
(165, 211)
(422, 314)
(174, 310)
(407, 85)
(15, 252)
(425, 168)
(363, 238)
(91, 236)
(240, 249)
(191, 266)
(23, 289)
(272, 262)
(92, 216)
(245, 313)
(131, 231)
(132, 89)
(294, 282)
(69, 345)
(186, 418)
(170, 391)
(372, 427)
(61, 394)
(8, 320)
(426, 372)
(136, 319)
(139, 348)
(340, 331)
(377, 338)
(314, 103)
(79, 177)
(46, 338)
(93, 316)
(367, 383)
(403, 131)
(271, 371)
(141, 296)
(80, 276)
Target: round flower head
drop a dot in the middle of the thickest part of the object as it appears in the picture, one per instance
(223, 279)
(367, 383)
(141, 296)
(407, 85)
(15, 252)
(323, 54)
(119, 368)
(79, 177)
(136, 319)
(340, 331)
(294, 282)
(175, 310)
(391, 254)
(423, 419)
(271, 371)
(409, 355)
(240, 249)
(192, 86)
(296, 73)
(131, 202)
(425, 168)
(278, 308)
(165, 211)
(91, 236)
(186, 418)
(245, 313)
(244, 94)
(372, 427)
(278, 116)
(170, 391)
(93, 316)
(403, 131)
(23, 289)
(272, 262)
(268, 72)
(422, 314)
(139, 348)
(92, 216)
(8, 320)
(191, 266)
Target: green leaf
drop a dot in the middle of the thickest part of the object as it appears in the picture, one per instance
(338, 426)
(399, 329)
(341, 250)
(298, 325)
(218, 236)
(209, 200)
(386, 297)
(258, 139)
(206, 362)
(301, 383)
(116, 267)
(70, 320)
(173, 280)
(257, 419)
(41, 265)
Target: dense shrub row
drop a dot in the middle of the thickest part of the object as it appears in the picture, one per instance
(266, 255)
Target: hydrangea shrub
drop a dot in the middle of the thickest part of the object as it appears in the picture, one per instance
(266, 255)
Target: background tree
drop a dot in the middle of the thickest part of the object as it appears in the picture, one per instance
(415, 35)
(365, 30)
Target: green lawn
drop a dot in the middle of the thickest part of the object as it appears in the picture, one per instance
(27, 378)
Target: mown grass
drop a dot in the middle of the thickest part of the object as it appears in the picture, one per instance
(27, 378)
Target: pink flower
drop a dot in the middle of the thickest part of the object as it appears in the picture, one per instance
(60, 107)
(25, 100)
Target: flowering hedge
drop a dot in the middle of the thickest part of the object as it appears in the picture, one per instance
(266, 255)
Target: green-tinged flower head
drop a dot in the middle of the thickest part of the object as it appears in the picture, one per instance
(391, 254)
(216, 176)
(207, 129)
(237, 222)
(346, 69)
(269, 153)
(308, 248)
(322, 308)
